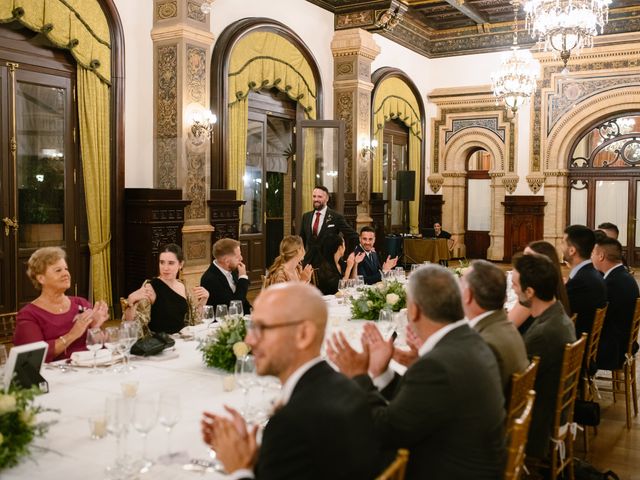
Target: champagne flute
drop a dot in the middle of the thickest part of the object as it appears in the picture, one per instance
(245, 374)
(238, 305)
(385, 320)
(168, 416)
(221, 313)
(145, 415)
(207, 315)
(94, 342)
(112, 342)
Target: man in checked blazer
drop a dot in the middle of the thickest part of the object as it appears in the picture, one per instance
(320, 223)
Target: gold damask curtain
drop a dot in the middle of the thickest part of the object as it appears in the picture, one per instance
(394, 99)
(265, 60)
(81, 27)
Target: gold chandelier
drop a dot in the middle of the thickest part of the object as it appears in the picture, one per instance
(516, 79)
(566, 25)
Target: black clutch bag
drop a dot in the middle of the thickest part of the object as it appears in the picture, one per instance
(586, 413)
(152, 344)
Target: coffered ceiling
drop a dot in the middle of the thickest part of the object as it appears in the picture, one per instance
(441, 28)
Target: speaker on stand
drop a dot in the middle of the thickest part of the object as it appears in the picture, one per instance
(405, 193)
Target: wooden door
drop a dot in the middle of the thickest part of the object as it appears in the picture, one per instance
(478, 211)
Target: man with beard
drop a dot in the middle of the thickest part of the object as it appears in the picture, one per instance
(534, 282)
(320, 223)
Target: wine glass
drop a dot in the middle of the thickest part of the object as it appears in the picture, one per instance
(221, 313)
(168, 416)
(112, 342)
(207, 315)
(415, 266)
(238, 305)
(245, 374)
(94, 342)
(117, 418)
(129, 332)
(360, 281)
(342, 288)
(145, 415)
(399, 273)
(233, 311)
(385, 321)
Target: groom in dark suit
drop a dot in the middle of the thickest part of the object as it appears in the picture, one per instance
(370, 267)
(448, 408)
(320, 223)
(322, 427)
(226, 278)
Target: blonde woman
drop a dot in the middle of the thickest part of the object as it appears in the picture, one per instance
(286, 267)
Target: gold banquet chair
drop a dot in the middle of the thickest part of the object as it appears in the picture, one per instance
(397, 469)
(517, 443)
(624, 380)
(521, 384)
(564, 430)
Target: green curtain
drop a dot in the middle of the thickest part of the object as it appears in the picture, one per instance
(394, 99)
(266, 60)
(81, 27)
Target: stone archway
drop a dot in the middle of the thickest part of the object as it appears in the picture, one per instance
(453, 167)
(561, 138)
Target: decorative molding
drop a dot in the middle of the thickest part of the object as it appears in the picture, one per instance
(344, 111)
(344, 69)
(490, 123)
(510, 182)
(195, 187)
(436, 181)
(166, 116)
(535, 181)
(182, 31)
(354, 42)
(354, 20)
(194, 12)
(166, 10)
(196, 249)
(196, 74)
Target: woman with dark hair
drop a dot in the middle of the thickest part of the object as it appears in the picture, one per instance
(521, 315)
(332, 267)
(170, 303)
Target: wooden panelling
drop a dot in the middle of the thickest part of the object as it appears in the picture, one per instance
(523, 222)
(476, 243)
(224, 212)
(376, 210)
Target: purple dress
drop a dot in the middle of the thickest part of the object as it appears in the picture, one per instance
(34, 324)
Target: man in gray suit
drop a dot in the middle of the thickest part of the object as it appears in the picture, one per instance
(483, 293)
(534, 281)
(448, 408)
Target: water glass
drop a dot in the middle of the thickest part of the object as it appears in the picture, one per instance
(117, 417)
(208, 315)
(238, 305)
(360, 281)
(98, 427)
(94, 342)
(342, 289)
(385, 321)
(233, 311)
(129, 333)
(415, 266)
(399, 273)
(168, 416)
(145, 416)
(245, 375)
(221, 313)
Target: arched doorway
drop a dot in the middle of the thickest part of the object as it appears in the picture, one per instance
(603, 179)
(478, 203)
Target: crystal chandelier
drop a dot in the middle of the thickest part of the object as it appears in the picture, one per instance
(566, 25)
(515, 81)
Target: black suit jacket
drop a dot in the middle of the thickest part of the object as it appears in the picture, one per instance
(324, 432)
(369, 267)
(334, 223)
(622, 292)
(448, 409)
(220, 292)
(587, 292)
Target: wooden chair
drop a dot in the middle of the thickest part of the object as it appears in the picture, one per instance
(573, 318)
(517, 441)
(623, 380)
(521, 384)
(397, 469)
(563, 430)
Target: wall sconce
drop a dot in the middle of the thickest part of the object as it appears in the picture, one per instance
(206, 6)
(368, 149)
(201, 122)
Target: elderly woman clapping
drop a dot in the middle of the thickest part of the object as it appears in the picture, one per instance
(54, 317)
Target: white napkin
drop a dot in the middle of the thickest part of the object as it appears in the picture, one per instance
(193, 330)
(85, 359)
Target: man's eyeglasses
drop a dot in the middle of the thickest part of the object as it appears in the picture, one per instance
(258, 328)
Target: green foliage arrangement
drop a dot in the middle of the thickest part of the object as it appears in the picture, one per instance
(373, 299)
(221, 349)
(18, 425)
(461, 268)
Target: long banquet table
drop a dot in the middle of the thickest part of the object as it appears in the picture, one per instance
(67, 452)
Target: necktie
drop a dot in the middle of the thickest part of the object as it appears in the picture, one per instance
(316, 224)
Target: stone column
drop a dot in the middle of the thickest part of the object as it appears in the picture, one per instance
(353, 51)
(555, 194)
(453, 210)
(182, 43)
(496, 235)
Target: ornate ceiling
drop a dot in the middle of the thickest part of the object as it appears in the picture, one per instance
(441, 28)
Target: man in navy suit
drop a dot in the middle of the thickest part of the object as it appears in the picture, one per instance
(370, 266)
(585, 287)
(226, 278)
(320, 223)
(322, 426)
(622, 292)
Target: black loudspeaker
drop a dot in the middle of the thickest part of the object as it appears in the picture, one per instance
(405, 185)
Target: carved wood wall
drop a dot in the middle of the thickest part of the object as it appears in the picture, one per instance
(523, 222)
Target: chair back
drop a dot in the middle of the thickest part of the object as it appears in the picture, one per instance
(517, 441)
(562, 452)
(635, 328)
(573, 318)
(521, 384)
(397, 469)
(591, 351)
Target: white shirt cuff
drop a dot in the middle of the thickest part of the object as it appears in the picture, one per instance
(243, 276)
(381, 381)
(242, 473)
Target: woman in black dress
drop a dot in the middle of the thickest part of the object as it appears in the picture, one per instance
(333, 268)
(170, 302)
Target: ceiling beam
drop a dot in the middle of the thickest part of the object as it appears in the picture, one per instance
(468, 10)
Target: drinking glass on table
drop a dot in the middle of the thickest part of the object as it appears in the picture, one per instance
(145, 416)
(94, 342)
(233, 311)
(222, 312)
(168, 416)
(245, 375)
(239, 307)
(117, 416)
(112, 342)
(385, 321)
(129, 333)
(342, 289)
(207, 315)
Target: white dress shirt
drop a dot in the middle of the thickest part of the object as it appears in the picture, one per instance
(575, 269)
(323, 214)
(228, 275)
